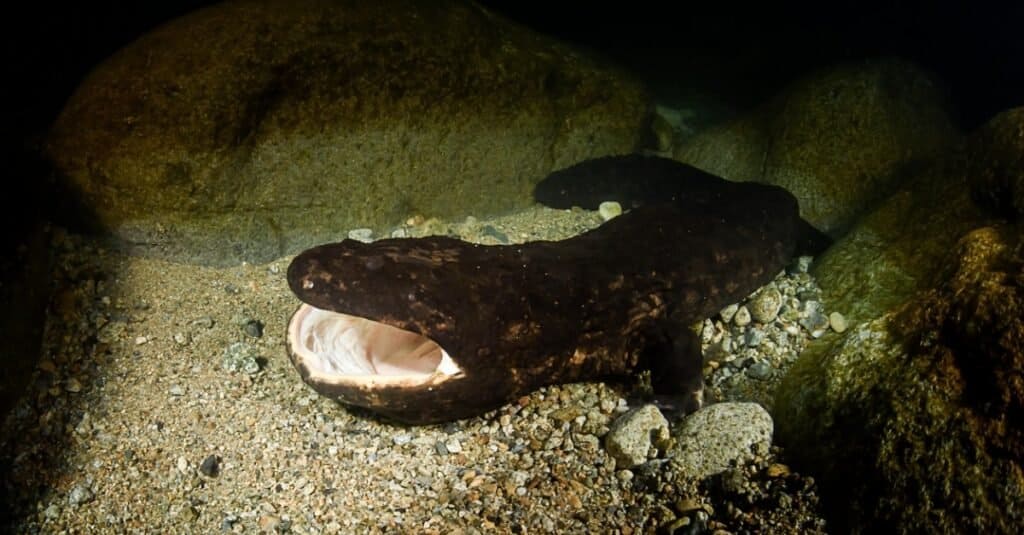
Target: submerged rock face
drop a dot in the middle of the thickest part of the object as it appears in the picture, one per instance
(912, 417)
(897, 248)
(276, 125)
(916, 414)
(995, 164)
(839, 140)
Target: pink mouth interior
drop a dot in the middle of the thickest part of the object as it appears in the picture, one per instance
(345, 347)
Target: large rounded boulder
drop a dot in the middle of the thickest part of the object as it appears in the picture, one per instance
(249, 129)
(911, 419)
(840, 139)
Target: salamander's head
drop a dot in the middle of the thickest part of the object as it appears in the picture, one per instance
(363, 323)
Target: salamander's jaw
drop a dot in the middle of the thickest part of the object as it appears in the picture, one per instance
(336, 349)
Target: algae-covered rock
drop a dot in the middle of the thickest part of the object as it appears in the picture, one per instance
(250, 129)
(896, 250)
(840, 139)
(912, 420)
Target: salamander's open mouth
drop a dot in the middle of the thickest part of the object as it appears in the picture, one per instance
(337, 348)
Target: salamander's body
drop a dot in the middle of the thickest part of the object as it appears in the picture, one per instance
(433, 329)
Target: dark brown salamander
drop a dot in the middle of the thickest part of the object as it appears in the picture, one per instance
(434, 329)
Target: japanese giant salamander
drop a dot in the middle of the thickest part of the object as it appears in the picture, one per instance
(425, 330)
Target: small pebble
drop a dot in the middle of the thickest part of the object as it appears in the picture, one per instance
(742, 317)
(84, 426)
(364, 235)
(498, 235)
(728, 312)
(253, 328)
(73, 385)
(269, 523)
(453, 446)
(80, 494)
(633, 434)
(837, 321)
(240, 357)
(765, 305)
(189, 514)
(754, 337)
(176, 390)
(609, 210)
(686, 505)
(759, 370)
(52, 512)
(815, 321)
(210, 466)
(732, 481)
(777, 470)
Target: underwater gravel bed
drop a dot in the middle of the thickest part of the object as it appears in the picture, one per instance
(164, 402)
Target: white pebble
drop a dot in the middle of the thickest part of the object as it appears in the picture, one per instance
(80, 494)
(52, 512)
(364, 235)
(742, 317)
(453, 446)
(609, 209)
(728, 312)
(837, 321)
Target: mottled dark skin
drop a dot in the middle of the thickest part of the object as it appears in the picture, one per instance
(635, 180)
(632, 180)
(608, 303)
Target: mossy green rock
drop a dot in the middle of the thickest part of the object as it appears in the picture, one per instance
(249, 129)
(839, 139)
(911, 418)
(896, 250)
